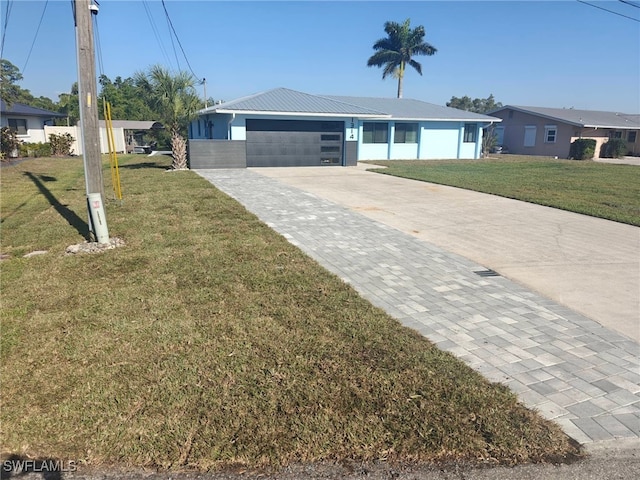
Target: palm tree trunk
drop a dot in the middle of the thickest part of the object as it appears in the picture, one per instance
(179, 151)
(400, 77)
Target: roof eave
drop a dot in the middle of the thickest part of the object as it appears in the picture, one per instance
(301, 114)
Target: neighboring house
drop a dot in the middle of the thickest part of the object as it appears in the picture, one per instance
(550, 131)
(283, 127)
(28, 122)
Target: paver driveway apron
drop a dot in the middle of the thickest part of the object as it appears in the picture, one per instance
(569, 367)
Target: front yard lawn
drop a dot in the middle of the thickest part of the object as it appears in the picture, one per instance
(209, 341)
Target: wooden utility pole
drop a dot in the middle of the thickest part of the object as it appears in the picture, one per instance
(87, 92)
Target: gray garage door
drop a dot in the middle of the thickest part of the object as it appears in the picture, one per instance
(294, 143)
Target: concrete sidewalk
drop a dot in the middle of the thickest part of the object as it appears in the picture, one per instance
(568, 367)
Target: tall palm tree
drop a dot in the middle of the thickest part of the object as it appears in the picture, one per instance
(396, 50)
(174, 99)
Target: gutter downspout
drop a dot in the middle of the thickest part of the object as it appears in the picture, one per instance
(233, 117)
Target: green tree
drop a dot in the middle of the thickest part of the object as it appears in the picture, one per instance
(396, 51)
(477, 105)
(10, 75)
(127, 99)
(69, 104)
(174, 99)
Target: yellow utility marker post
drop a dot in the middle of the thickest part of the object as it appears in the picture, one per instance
(113, 156)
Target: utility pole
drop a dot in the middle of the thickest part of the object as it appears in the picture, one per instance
(87, 92)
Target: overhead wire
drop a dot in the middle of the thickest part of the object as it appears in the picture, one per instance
(7, 14)
(178, 40)
(629, 3)
(154, 28)
(610, 11)
(170, 25)
(35, 36)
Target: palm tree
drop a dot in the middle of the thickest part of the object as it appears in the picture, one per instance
(174, 99)
(396, 50)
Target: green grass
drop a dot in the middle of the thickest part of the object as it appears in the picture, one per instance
(601, 190)
(209, 341)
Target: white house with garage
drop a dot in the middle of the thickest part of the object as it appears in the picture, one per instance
(283, 127)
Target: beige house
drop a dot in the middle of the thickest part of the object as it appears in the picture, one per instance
(550, 131)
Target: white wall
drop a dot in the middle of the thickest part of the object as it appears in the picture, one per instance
(76, 147)
(439, 140)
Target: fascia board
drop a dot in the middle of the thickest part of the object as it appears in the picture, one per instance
(302, 114)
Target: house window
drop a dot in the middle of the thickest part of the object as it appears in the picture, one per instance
(631, 136)
(530, 136)
(617, 134)
(550, 133)
(470, 132)
(18, 125)
(406, 133)
(375, 132)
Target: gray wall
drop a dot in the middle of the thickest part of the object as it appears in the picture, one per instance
(350, 154)
(217, 154)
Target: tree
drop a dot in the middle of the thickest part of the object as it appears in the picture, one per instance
(396, 51)
(477, 105)
(10, 75)
(174, 99)
(127, 99)
(69, 104)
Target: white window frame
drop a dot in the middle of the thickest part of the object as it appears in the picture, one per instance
(548, 129)
(635, 136)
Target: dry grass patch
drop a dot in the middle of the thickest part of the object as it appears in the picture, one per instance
(209, 341)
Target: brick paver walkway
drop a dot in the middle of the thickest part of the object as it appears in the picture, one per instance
(566, 366)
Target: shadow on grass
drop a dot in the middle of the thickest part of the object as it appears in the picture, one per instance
(69, 215)
(138, 166)
(50, 469)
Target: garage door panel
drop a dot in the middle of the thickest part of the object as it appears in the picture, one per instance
(294, 143)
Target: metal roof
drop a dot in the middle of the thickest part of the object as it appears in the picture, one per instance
(282, 101)
(409, 109)
(581, 118)
(27, 111)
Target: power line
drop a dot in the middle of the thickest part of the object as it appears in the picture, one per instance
(170, 25)
(35, 37)
(155, 31)
(629, 3)
(179, 43)
(6, 23)
(610, 11)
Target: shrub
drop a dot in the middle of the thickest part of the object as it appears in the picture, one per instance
(35, 149)
(61, 144)
(614, 148)
(489, 141)
(9, 143)
(582, 149)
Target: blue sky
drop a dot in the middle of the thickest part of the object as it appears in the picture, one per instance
(539, 53)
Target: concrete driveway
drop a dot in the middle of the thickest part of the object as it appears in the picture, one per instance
(587, 264)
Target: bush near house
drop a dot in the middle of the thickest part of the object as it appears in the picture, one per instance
(61, 144)
(614, 148)
(35, 149)
(9, 143)
(582, 149)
